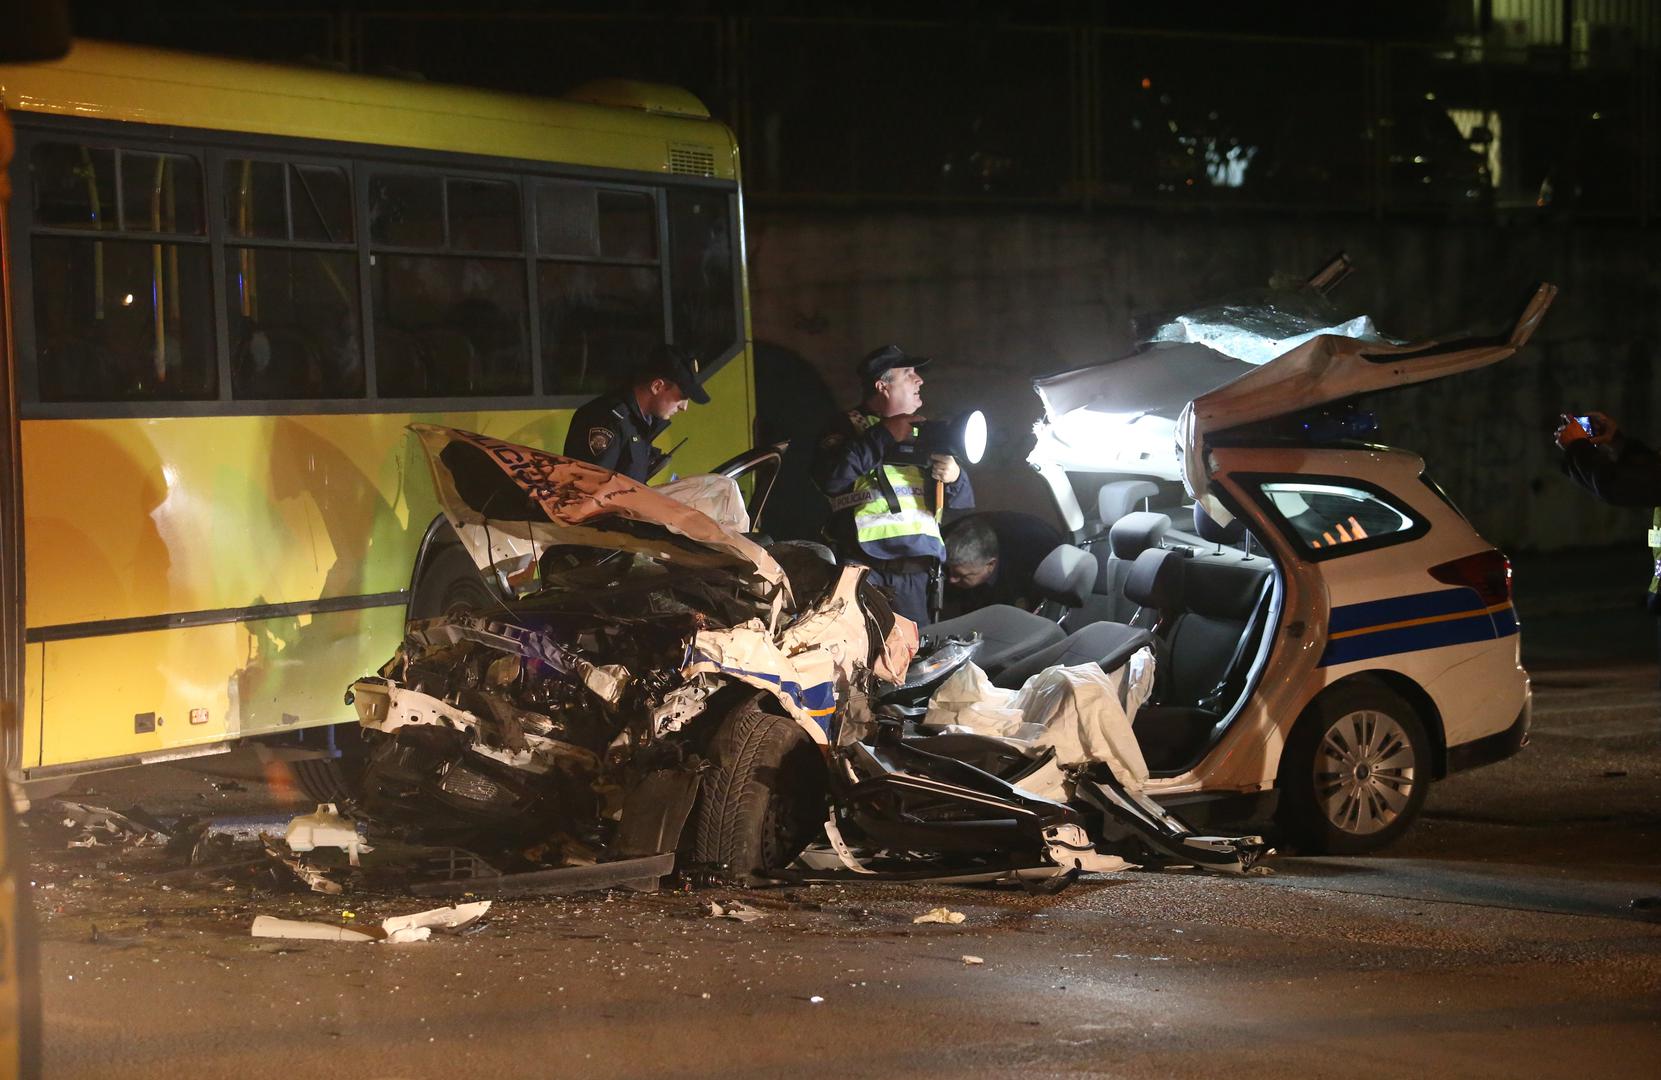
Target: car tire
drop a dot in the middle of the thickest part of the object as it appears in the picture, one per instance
(450, 583)
(764, 799)
(1354, 773)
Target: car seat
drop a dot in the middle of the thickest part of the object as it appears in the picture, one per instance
(1129, 537)
(1152, 583)
(1009, 634)
(1213, 617)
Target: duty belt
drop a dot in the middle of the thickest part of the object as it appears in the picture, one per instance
(915, 564)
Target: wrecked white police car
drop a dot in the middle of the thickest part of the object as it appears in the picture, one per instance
(643, 683)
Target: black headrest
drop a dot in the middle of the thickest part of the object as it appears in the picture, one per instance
(1116, 498)
(1212, 533)
(1222, 588)
(1155, 579)
(1066, 574)
(1135, 533)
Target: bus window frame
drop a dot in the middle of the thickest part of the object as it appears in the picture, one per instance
(211, 147)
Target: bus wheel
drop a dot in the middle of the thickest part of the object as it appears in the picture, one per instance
(1355, 771)
(450, 584)
(336, 779)
(765, 798)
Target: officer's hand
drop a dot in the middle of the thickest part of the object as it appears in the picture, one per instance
(900, 426)
(1603, 428)
(1569, 431)
(944, 468)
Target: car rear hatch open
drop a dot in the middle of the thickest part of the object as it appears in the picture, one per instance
(1329, 368)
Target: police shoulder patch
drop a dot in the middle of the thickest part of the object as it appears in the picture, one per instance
(599, 439)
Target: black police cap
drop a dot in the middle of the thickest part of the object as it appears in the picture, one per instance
(680, 367)
(886, 358)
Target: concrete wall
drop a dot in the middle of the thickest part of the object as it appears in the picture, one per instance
(1000, 298)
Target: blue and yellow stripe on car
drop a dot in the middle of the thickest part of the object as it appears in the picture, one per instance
(1404, 624)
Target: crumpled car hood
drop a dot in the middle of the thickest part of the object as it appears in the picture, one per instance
(495, 493)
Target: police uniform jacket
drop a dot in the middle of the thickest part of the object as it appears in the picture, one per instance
(864, 472)
(611, 432)
(1625, 473)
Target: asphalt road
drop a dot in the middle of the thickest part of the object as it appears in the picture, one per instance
(1495, 940)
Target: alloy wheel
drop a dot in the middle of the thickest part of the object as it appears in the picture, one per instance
(1364, 772)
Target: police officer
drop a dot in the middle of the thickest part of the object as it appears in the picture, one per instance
(881, 487)
(1621, 471)
(1618, 470)
(615, 431)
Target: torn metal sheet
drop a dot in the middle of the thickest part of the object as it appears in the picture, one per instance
(1260, 329)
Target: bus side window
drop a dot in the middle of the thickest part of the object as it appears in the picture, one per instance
(120, 317)
(292, 297)
(599, 284)
(701, 273)
(448, 287)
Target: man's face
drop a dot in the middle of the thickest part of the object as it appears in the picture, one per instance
(902, 392)
(664, 399)
(960, 575)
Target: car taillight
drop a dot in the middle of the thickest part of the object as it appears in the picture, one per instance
(1488, 572)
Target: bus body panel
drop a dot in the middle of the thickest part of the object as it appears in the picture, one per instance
(155, 86)
(147, 694)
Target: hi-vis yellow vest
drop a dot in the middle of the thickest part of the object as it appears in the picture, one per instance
(899, 528)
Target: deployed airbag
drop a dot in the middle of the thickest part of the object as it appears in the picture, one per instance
(1083, 712)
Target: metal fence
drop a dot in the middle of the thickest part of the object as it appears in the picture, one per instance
(843, 111)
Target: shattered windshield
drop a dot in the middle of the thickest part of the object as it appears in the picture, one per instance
(1258, 326)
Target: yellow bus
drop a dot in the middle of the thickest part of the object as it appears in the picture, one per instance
(228, 288)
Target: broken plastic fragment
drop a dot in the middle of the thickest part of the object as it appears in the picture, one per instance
(318, 880)
(967, 959)
(444, 918)
(735, 909)
(325, 828)
(395, 930)
(269, 926)
(941, 915)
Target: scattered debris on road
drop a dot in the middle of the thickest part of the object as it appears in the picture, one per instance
(735, 909)
(101, 826)
(941, 915)
(395, 930)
